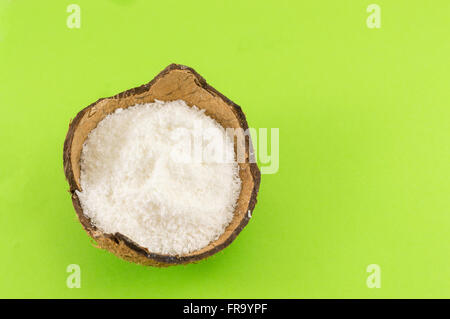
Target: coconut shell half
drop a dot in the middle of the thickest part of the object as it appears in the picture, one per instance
(173, 83)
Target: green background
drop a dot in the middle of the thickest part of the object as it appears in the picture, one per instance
(364, 119)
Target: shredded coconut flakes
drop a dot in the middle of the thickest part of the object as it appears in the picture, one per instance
(132, 184)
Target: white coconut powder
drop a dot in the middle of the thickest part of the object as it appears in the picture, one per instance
(133, 184)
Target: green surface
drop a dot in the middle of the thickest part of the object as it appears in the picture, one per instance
(364, 119)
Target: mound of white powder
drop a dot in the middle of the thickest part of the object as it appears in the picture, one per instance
(135, 178)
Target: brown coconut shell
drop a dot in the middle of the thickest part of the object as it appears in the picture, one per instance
(173, 83)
